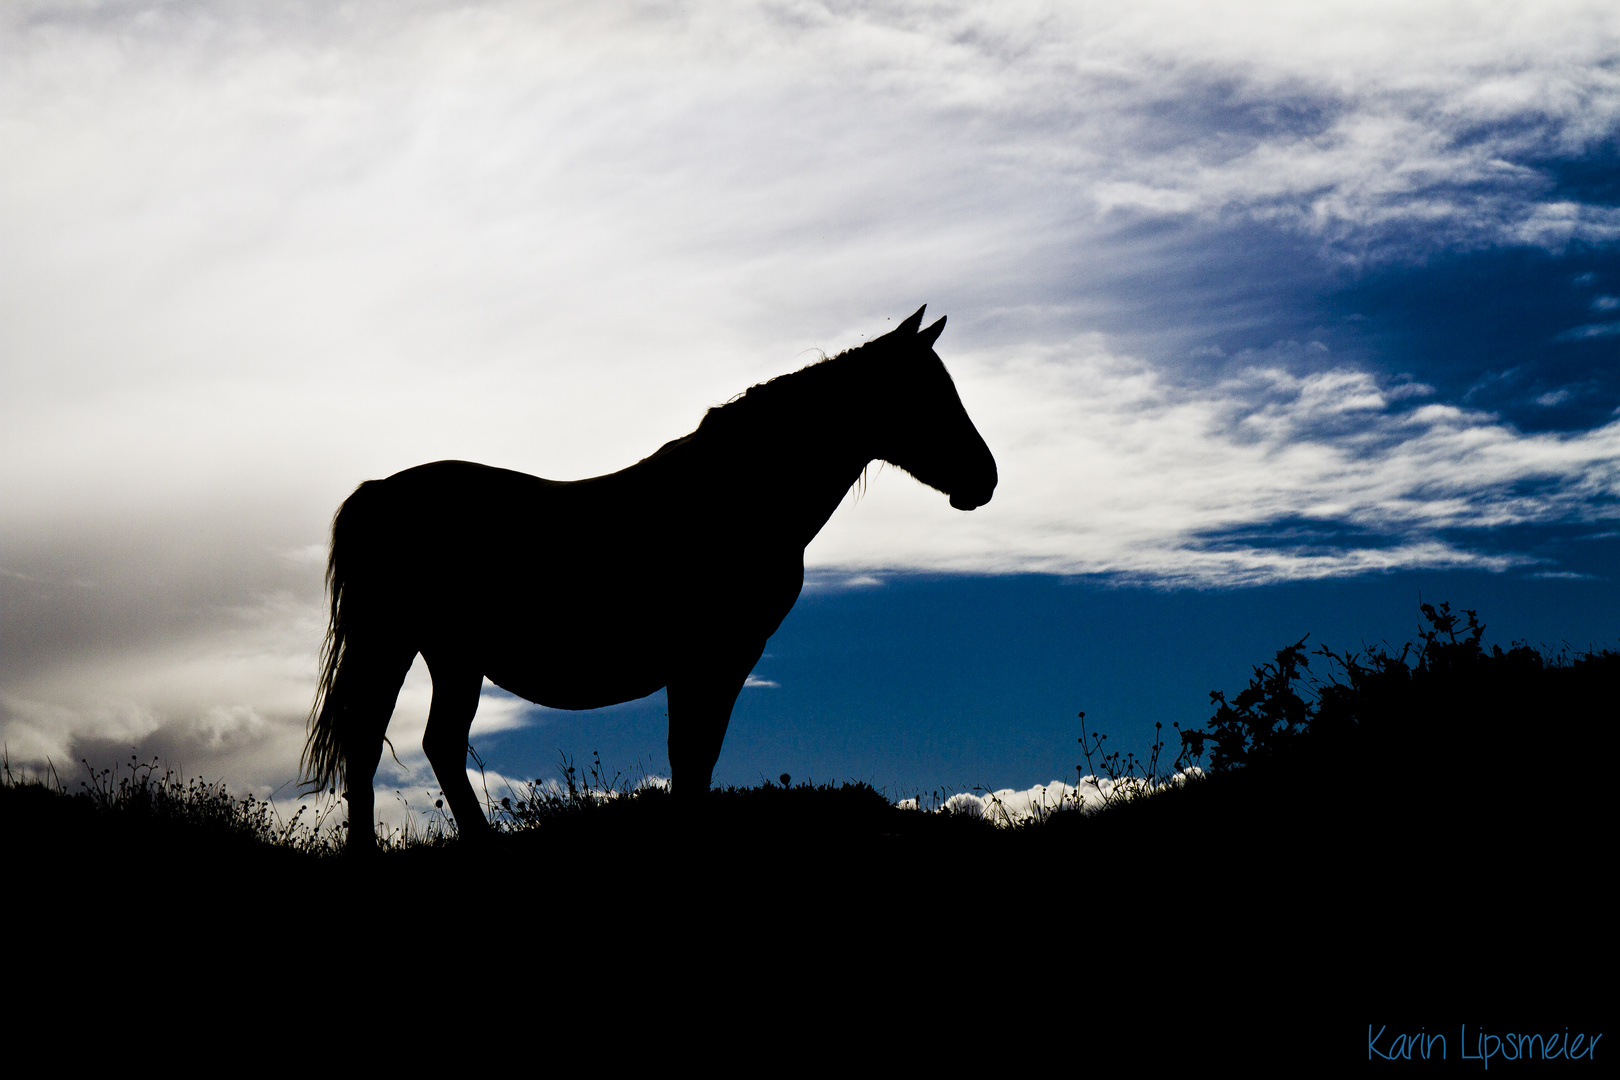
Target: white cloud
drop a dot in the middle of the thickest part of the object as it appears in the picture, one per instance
(1011, 806)
(360, 249)
(1109, 467)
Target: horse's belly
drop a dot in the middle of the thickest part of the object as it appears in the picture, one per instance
(564, 674)
(558, 690)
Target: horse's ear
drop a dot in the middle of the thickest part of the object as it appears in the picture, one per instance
(909, 327)
(926, 338)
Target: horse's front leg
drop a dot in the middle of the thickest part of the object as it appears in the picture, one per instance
(456, 687)
(701, 697)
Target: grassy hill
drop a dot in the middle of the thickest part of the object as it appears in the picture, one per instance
(1416, 838)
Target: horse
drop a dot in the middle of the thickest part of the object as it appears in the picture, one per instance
(586, 593)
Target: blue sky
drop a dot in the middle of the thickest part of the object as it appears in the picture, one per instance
(1273, 315)
(964, 682)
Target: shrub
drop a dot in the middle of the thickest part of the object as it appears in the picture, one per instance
(1448, 699)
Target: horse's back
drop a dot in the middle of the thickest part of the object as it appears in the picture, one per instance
(639, 561)
(481, 538)
(446, 487)
(455, 487)
(554, 588)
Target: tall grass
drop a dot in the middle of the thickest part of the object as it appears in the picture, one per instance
(148, 794)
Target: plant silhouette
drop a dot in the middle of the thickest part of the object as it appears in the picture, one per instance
(1448, 699)
(576, 595)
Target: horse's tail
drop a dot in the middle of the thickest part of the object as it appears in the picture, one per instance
(354, 528)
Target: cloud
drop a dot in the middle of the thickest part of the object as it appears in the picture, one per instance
(1010, 806)
(819, 580)
(237, 692)
(230, 701)
(1590, 330)
(1109, 467)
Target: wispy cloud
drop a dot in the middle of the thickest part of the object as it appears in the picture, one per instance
(1590, 330)
(1110, 468)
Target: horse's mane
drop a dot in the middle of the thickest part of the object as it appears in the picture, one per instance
(810, 389)
(767, 406)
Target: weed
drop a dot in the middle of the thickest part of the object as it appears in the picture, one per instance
(146, 793)
(541, 801)
(1132, 778)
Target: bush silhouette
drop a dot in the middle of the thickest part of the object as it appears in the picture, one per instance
(1444, 701)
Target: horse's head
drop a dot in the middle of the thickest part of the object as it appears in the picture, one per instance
(919, 422)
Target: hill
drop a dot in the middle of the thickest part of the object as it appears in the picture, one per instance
(1415, 840)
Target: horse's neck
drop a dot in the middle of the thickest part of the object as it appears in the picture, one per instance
(817, 488)
(806, 462)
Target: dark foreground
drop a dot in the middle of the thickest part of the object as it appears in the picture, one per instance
(1439, 867)
(1276, 916)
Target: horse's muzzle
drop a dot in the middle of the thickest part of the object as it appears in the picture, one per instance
(963, 500)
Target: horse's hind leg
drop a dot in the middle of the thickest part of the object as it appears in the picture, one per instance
(456, 686)
(375, 672)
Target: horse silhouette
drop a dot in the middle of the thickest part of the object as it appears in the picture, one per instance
(579, 594)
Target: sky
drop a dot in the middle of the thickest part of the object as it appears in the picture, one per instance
(1276, 318)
